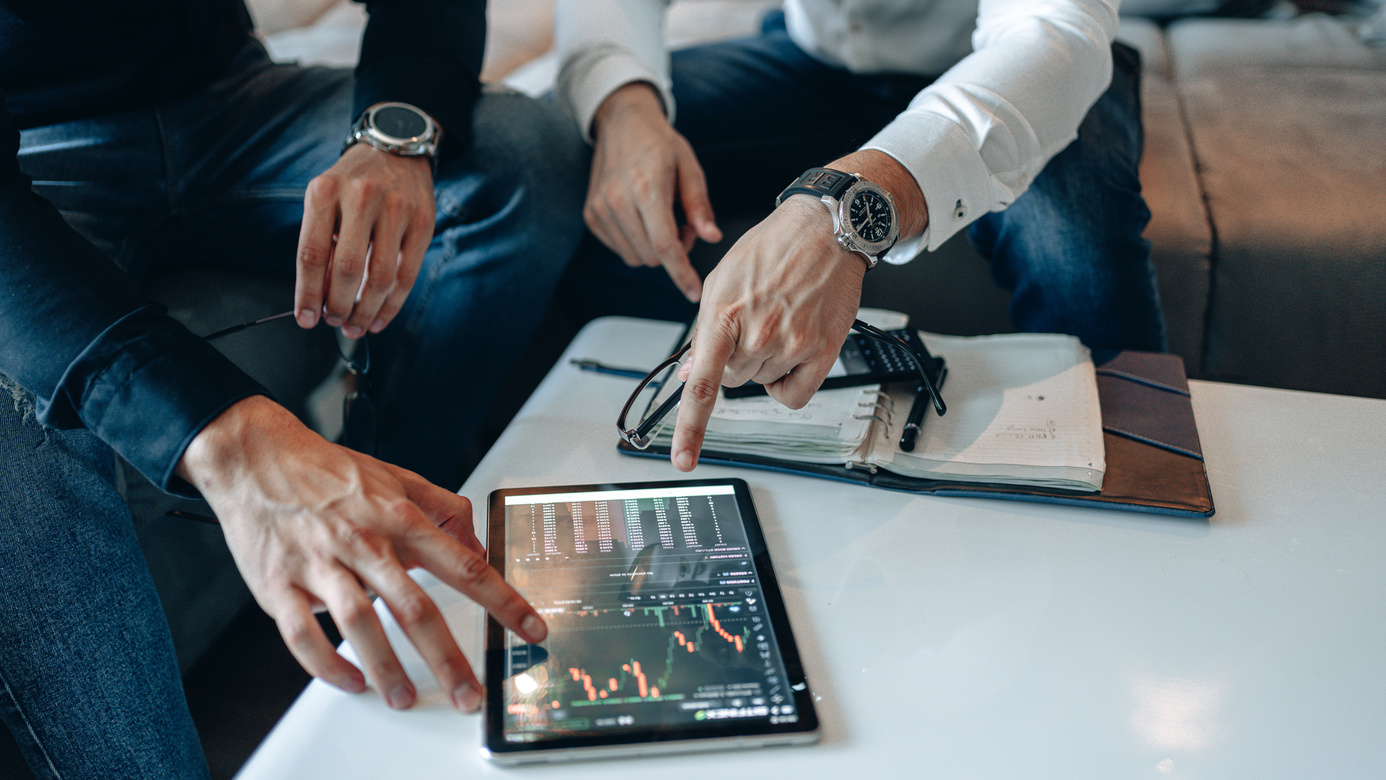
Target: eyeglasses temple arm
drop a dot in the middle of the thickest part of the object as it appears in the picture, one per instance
(937, 400)
(642, 431)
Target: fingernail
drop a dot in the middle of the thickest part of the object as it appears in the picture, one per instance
(307, 318)
(691, 294)
(533, 628)
(352, 331)
(334, 320)
(467, 697)
(377, 326)
(352, 684)
(400, 697)
(684, 460)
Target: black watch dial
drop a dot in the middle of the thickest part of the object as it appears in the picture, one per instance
(870, 215)
(399, 122)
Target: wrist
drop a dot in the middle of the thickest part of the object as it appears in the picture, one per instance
(636, 99)
(217, 451)
(895, 178)
(398, 129)
(807, 215)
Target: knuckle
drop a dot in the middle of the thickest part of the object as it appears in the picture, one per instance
(393, 202)
(356, 614)
(347, 268)
(362, 542)
(412, 610)
(759, 341)
(296, 632)
(324, 187)
(312, 257)
(363, 189)
(665, 247)
(472, 569)
(700, 389)
(796, 344)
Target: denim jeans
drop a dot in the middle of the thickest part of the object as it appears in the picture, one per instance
(88, 680)
(759, 111)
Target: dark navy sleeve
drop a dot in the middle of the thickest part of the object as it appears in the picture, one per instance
(76, 333)
(426, 53)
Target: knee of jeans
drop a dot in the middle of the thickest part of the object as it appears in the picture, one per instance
(526, 156)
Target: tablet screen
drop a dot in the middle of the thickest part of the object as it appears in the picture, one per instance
(661, 624)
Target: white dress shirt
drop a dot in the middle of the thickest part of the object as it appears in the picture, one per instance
(1003, 104)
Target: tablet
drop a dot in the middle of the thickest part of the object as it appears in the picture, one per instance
(666, 628)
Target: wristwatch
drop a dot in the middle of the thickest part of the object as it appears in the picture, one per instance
(397, 128)
(864, 215)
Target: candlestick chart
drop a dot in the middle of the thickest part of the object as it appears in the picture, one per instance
(655, 615)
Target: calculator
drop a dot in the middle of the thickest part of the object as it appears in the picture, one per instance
(867, 361)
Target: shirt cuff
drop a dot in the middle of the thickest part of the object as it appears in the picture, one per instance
(159, 387)
(605, 70)
(949, 170)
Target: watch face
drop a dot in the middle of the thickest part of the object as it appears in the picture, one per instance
(871, 216)
(399, 122)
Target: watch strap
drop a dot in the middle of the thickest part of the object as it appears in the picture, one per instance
(819, 182)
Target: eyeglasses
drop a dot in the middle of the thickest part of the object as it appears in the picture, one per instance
(359, 430)
(639, 436)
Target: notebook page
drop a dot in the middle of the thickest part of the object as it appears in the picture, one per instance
(1022, 408)
(828, 429)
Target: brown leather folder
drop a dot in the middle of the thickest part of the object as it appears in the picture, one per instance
(1154, 460)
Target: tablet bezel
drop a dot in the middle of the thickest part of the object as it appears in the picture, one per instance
(699, 735)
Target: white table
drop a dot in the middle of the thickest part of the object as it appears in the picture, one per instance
(951, 637)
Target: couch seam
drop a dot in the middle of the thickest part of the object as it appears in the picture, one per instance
(1213, 243)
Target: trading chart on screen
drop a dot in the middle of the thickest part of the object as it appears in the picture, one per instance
(655, 612)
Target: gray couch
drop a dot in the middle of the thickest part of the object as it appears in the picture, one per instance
(1266, 179)
(1265, 172)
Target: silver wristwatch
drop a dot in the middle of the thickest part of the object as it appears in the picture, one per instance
(397, 128)
(864, 216)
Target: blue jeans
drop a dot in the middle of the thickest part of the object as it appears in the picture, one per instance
(88, 680)
(759, 111)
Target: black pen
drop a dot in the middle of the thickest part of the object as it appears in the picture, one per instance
(911, 432)
(602, 368)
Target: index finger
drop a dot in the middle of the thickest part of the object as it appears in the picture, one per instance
(664, 239)
(466, 571)
(712, 348)
(314, 251)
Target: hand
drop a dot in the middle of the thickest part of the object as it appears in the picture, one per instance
(778, 306)
(367, 218)
(640, 164)
(311, 524)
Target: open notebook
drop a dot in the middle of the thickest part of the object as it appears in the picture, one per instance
(1022, 410)
(1030, 416)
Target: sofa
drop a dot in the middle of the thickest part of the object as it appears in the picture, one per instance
(1263, 169)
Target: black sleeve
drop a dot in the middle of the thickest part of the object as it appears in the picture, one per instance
(426, 53)
(76, 333)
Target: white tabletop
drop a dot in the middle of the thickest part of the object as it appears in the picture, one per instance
(958, 637)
